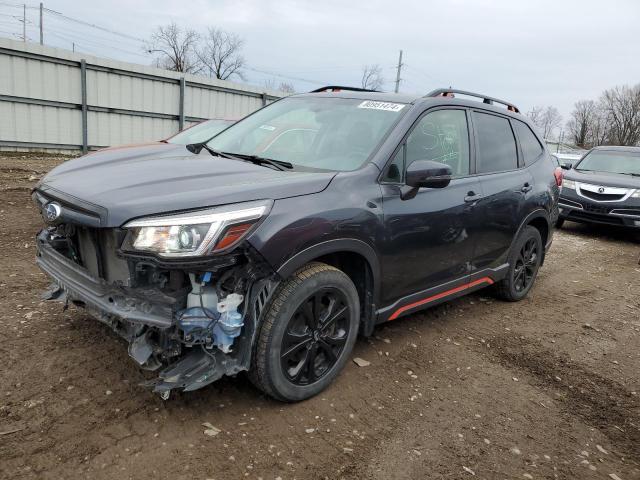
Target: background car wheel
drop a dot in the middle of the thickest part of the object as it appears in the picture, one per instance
(307, 333)
(524, 262)
(559, 222)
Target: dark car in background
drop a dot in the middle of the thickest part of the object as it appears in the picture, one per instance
(603, 188)
(269, 248)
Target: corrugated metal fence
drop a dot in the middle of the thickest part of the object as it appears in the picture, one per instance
(55, 99)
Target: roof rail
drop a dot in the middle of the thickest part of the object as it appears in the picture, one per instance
(448, 92)
(337, 88)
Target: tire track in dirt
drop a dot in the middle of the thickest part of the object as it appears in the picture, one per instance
(597, 400)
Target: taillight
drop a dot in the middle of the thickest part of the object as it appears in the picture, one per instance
(559, 176)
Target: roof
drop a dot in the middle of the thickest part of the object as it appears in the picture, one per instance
(354, 93)
(379, 96)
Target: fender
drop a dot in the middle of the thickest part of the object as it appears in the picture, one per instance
(537, 213)
(334, 246)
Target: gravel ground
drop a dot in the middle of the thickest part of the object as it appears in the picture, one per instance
(544, 388)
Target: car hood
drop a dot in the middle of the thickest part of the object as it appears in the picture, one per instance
(603, 178)
(120, 184)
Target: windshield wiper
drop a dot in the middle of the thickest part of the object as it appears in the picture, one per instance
(279, 164)
(197, 148)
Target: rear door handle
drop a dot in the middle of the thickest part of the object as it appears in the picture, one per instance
(472, 197)
(526, 188)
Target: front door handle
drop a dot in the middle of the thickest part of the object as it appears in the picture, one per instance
(526, 188)
(472, 197)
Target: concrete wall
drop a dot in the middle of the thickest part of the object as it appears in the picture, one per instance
(58, 100)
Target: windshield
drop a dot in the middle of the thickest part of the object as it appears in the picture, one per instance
(317, 132)
(611, 162)
(200, 132)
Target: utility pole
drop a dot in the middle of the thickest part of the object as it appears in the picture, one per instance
(398, 74)
(24, 22)
(560, 140)
(41, 31)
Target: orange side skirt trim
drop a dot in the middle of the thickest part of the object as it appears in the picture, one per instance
(438, 296)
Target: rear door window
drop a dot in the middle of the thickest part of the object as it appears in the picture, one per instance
(529, 144)
(496, 144)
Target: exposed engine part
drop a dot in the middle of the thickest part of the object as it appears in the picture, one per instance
(230, 323)
(206, 321)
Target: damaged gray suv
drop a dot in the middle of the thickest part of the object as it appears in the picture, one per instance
(271, 246)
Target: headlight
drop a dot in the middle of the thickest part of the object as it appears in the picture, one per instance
(636, 194)
(195, 233)
(569, 184)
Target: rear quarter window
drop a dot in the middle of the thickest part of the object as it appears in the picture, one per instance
(529, 144)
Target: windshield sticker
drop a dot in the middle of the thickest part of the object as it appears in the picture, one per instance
(388, 106)
(268, 127)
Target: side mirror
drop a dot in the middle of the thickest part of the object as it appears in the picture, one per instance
(426, 173)
(566, 165)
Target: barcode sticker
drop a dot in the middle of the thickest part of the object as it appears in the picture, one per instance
(388, 106)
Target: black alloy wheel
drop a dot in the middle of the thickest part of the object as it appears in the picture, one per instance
(525, 259)
(526, 265)
(315, 336)
(306, 333)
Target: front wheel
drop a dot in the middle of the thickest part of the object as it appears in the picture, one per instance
(524, 263)
(559, 222)
(307, 334)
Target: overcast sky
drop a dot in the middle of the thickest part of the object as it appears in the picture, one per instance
(529, 52)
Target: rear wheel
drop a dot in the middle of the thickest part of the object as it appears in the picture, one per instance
(524, 263)
(307, 334)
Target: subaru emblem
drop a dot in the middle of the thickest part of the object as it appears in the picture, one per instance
(600, 189)
(52, 211)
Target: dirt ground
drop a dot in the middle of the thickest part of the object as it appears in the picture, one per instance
(544, 388)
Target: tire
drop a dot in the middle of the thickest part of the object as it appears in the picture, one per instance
(559, 222)
(297, 327)
(519, 280)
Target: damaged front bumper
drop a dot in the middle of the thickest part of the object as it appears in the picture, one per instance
(147, 307)
(147, 319)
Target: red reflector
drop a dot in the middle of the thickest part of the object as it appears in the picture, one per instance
(559, 176)
(232, 235)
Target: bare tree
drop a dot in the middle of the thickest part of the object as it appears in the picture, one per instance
(287, 88)
(599, 131)
(221, 54)
(546, 119)
(372, 77)
(175, 48)
(622, 108)
(582, 121)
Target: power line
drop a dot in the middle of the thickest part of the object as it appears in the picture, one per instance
(432, 77)
(106, 42)
(81, 22)
(306, 80)
(78, 40)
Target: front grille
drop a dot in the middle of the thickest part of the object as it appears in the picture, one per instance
(95, 249)
(601, 197)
